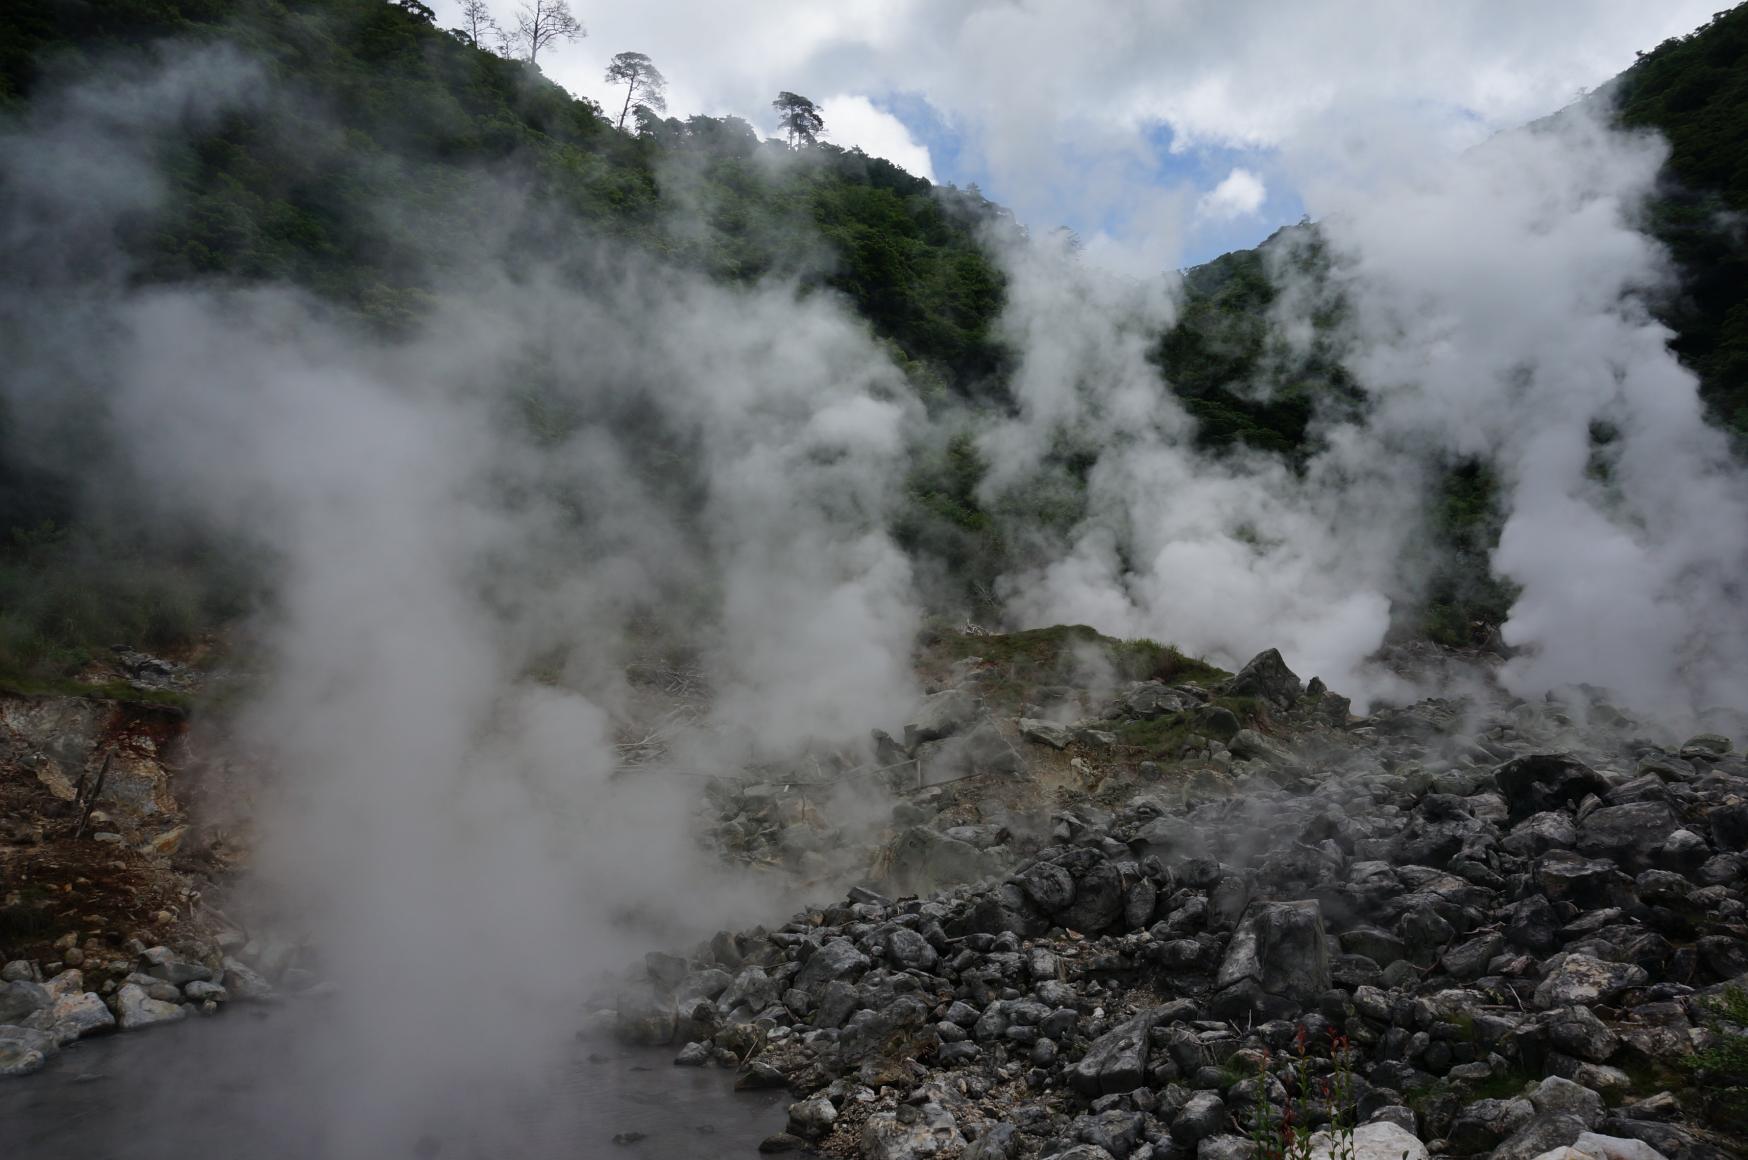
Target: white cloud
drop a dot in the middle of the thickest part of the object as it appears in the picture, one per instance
(1239, 195)
(853, 120)
(1062, 104)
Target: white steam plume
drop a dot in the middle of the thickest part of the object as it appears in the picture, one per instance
(543, 460)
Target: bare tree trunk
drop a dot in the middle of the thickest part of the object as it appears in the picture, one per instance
(96, 790)
(629, 89)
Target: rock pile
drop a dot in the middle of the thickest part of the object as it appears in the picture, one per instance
(1511, 946)
(41, 1012)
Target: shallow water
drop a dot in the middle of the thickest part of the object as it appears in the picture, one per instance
(216, 1088)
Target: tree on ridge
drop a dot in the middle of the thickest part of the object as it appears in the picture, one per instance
(543, 21)
(644, 83)
(799, 117)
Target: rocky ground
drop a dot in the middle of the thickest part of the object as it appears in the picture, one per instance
(1160, 919)
(119, 834)
(1096, 900)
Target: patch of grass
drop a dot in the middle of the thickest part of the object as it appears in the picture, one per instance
(1161, 737)
(1071, 653)
(27, 686)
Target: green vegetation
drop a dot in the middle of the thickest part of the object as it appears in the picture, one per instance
(1226, 359)
(1721, 1070)
(1068, 653)
(1694, 91)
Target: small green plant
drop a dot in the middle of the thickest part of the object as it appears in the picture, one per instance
(1288, 1136)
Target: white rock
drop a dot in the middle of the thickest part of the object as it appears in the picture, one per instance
(1615, 1147)
(1380, 1140)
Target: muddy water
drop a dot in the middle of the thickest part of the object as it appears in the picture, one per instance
(214, 1088)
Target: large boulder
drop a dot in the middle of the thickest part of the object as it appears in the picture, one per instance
(1630, 835)
(1117, 1060)
(1580, 980)
(1279, 949)
(1546, 781)
(74, 1016)
(941, 715)
(1543, 1134)
(837, 959)
(1098, 899)
(1379, 1140)
(1268, 678)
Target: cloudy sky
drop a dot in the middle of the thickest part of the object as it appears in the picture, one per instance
(1163, 131)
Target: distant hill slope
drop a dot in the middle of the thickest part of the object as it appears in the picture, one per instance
(373, 105)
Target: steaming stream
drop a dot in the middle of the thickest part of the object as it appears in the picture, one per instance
(218, 1087)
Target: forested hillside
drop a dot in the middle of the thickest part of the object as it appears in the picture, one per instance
(364, 104)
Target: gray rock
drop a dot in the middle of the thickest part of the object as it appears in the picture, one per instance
(1631, 835)
(1578, 1032)
(1281, 947)
(1546, 781)
(163, 964)
(1201, 1116)
(1539, 833)
(244, 983)
(135, 1009)
(1483, 1124)
(200, 991)
(909, 949)
(1402, 1117)
(694, 1054)
(1580, 980)
(1113, 1130)
(1117, 1060)
(24, 1050)
(941, 715)
(1556, 1096)
(1084, 1152)
(1706, 746)
(812, 1119)
(1049, 887)
(18, 971)
(752, 989)
(837, 959)
(1147, 700)
(1544, 1133)
(1228, 1147)
(19, 999)
(1098, 900)
(1046, 733)
(72, 1017)
(1468, 960)
(1266, 676)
